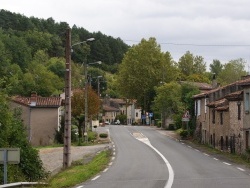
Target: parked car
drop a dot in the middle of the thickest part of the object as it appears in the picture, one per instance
(106, 123)
(117, 122)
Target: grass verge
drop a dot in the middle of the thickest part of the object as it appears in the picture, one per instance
(80, 172)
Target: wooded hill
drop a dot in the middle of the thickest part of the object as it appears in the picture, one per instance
(28, 44)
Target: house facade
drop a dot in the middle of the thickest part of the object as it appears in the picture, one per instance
(222, 116)
(41, 116)
(113, 107)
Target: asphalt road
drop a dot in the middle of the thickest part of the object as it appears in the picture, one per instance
(144, 158)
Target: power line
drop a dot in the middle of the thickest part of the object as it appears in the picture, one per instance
(192, 44)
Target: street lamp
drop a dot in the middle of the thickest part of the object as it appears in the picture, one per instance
(86, 97)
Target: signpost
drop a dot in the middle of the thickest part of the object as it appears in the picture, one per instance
(186, 118)
(11, 156)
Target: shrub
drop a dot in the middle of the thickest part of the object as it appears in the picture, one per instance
(92, 136)
(184, 133)
(103, 135)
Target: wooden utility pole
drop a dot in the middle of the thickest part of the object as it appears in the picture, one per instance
(67, 115)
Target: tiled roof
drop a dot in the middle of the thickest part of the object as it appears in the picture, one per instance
(118, 101)
(222, 108)
(108, 108)
(39, 101)
(238, 95)
(218, 103)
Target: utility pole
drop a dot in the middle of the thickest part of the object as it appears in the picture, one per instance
(67, 115)
(86, 102)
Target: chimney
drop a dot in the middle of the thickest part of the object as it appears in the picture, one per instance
(214, 82)
(33, 99)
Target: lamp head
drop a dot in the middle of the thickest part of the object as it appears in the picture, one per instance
(90, 39)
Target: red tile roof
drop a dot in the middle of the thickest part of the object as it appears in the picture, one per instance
(40, 101)
(108, 108)
(218, 103)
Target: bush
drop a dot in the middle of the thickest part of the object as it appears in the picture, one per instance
(103, 135)
(184, 133)
(92, 136)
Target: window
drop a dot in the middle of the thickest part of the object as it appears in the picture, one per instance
(136, 114)
(213, 116)
(247, 103)
(198, 107)
(239, 110)
(221, 118)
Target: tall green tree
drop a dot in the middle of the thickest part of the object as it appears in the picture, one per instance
(140, 71)
(232, 71)
(190, 64)
(168, 98)
(216, 67)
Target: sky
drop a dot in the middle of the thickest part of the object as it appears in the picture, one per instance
(213, 29)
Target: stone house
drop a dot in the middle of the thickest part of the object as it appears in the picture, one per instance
(114, 106)
(222, 117)
(41, 116)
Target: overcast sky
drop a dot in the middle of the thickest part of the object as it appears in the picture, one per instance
(213, 29)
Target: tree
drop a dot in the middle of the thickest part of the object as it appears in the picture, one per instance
(190, 64)
(168, 100)
(78, 106)
(140, 71)
(216, 67)
(232, 71)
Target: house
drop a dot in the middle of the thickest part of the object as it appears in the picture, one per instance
(41, 116)
(222, 116)
(114, 106)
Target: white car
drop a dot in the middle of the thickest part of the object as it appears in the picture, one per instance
(117, 122)
(106, 123)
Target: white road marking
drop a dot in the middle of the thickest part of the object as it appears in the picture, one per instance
(216, 159)
(189, 146)
(145, 140)
(227, 163)
(80, 186)
(206, 154)
(110, 164)
(241, 169)
(197, 150)
(105, 170)
(95, 178)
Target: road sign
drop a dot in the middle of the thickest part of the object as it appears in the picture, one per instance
(185, 119)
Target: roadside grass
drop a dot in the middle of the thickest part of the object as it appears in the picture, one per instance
(80, 172)
(234, 158)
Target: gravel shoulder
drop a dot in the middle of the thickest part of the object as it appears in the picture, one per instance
(52, 158)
